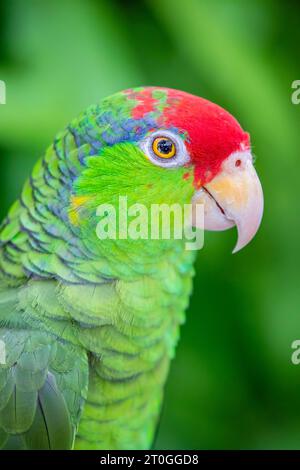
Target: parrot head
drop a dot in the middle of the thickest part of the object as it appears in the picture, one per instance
(159, 145)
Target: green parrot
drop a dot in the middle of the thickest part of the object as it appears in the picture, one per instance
(89, 326)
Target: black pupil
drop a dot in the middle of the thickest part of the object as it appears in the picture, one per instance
(165, 146)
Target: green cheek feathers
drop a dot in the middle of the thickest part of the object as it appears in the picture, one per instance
(124, 170)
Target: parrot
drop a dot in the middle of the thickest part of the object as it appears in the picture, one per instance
(89, 326)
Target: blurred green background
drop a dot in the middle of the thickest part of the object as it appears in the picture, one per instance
(232, 384)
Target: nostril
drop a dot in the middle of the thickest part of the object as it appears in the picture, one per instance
(238, 162)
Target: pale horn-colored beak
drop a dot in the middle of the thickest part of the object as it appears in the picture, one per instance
(233, 197)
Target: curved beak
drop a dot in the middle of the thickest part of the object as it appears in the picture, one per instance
(233, 197)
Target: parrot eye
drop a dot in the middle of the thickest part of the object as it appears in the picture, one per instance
(165, 148)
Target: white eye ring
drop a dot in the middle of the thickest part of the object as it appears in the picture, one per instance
(181, 156)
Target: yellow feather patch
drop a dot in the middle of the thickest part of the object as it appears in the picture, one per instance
(76, 204)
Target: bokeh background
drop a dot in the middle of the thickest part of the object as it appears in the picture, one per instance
(232, 385)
